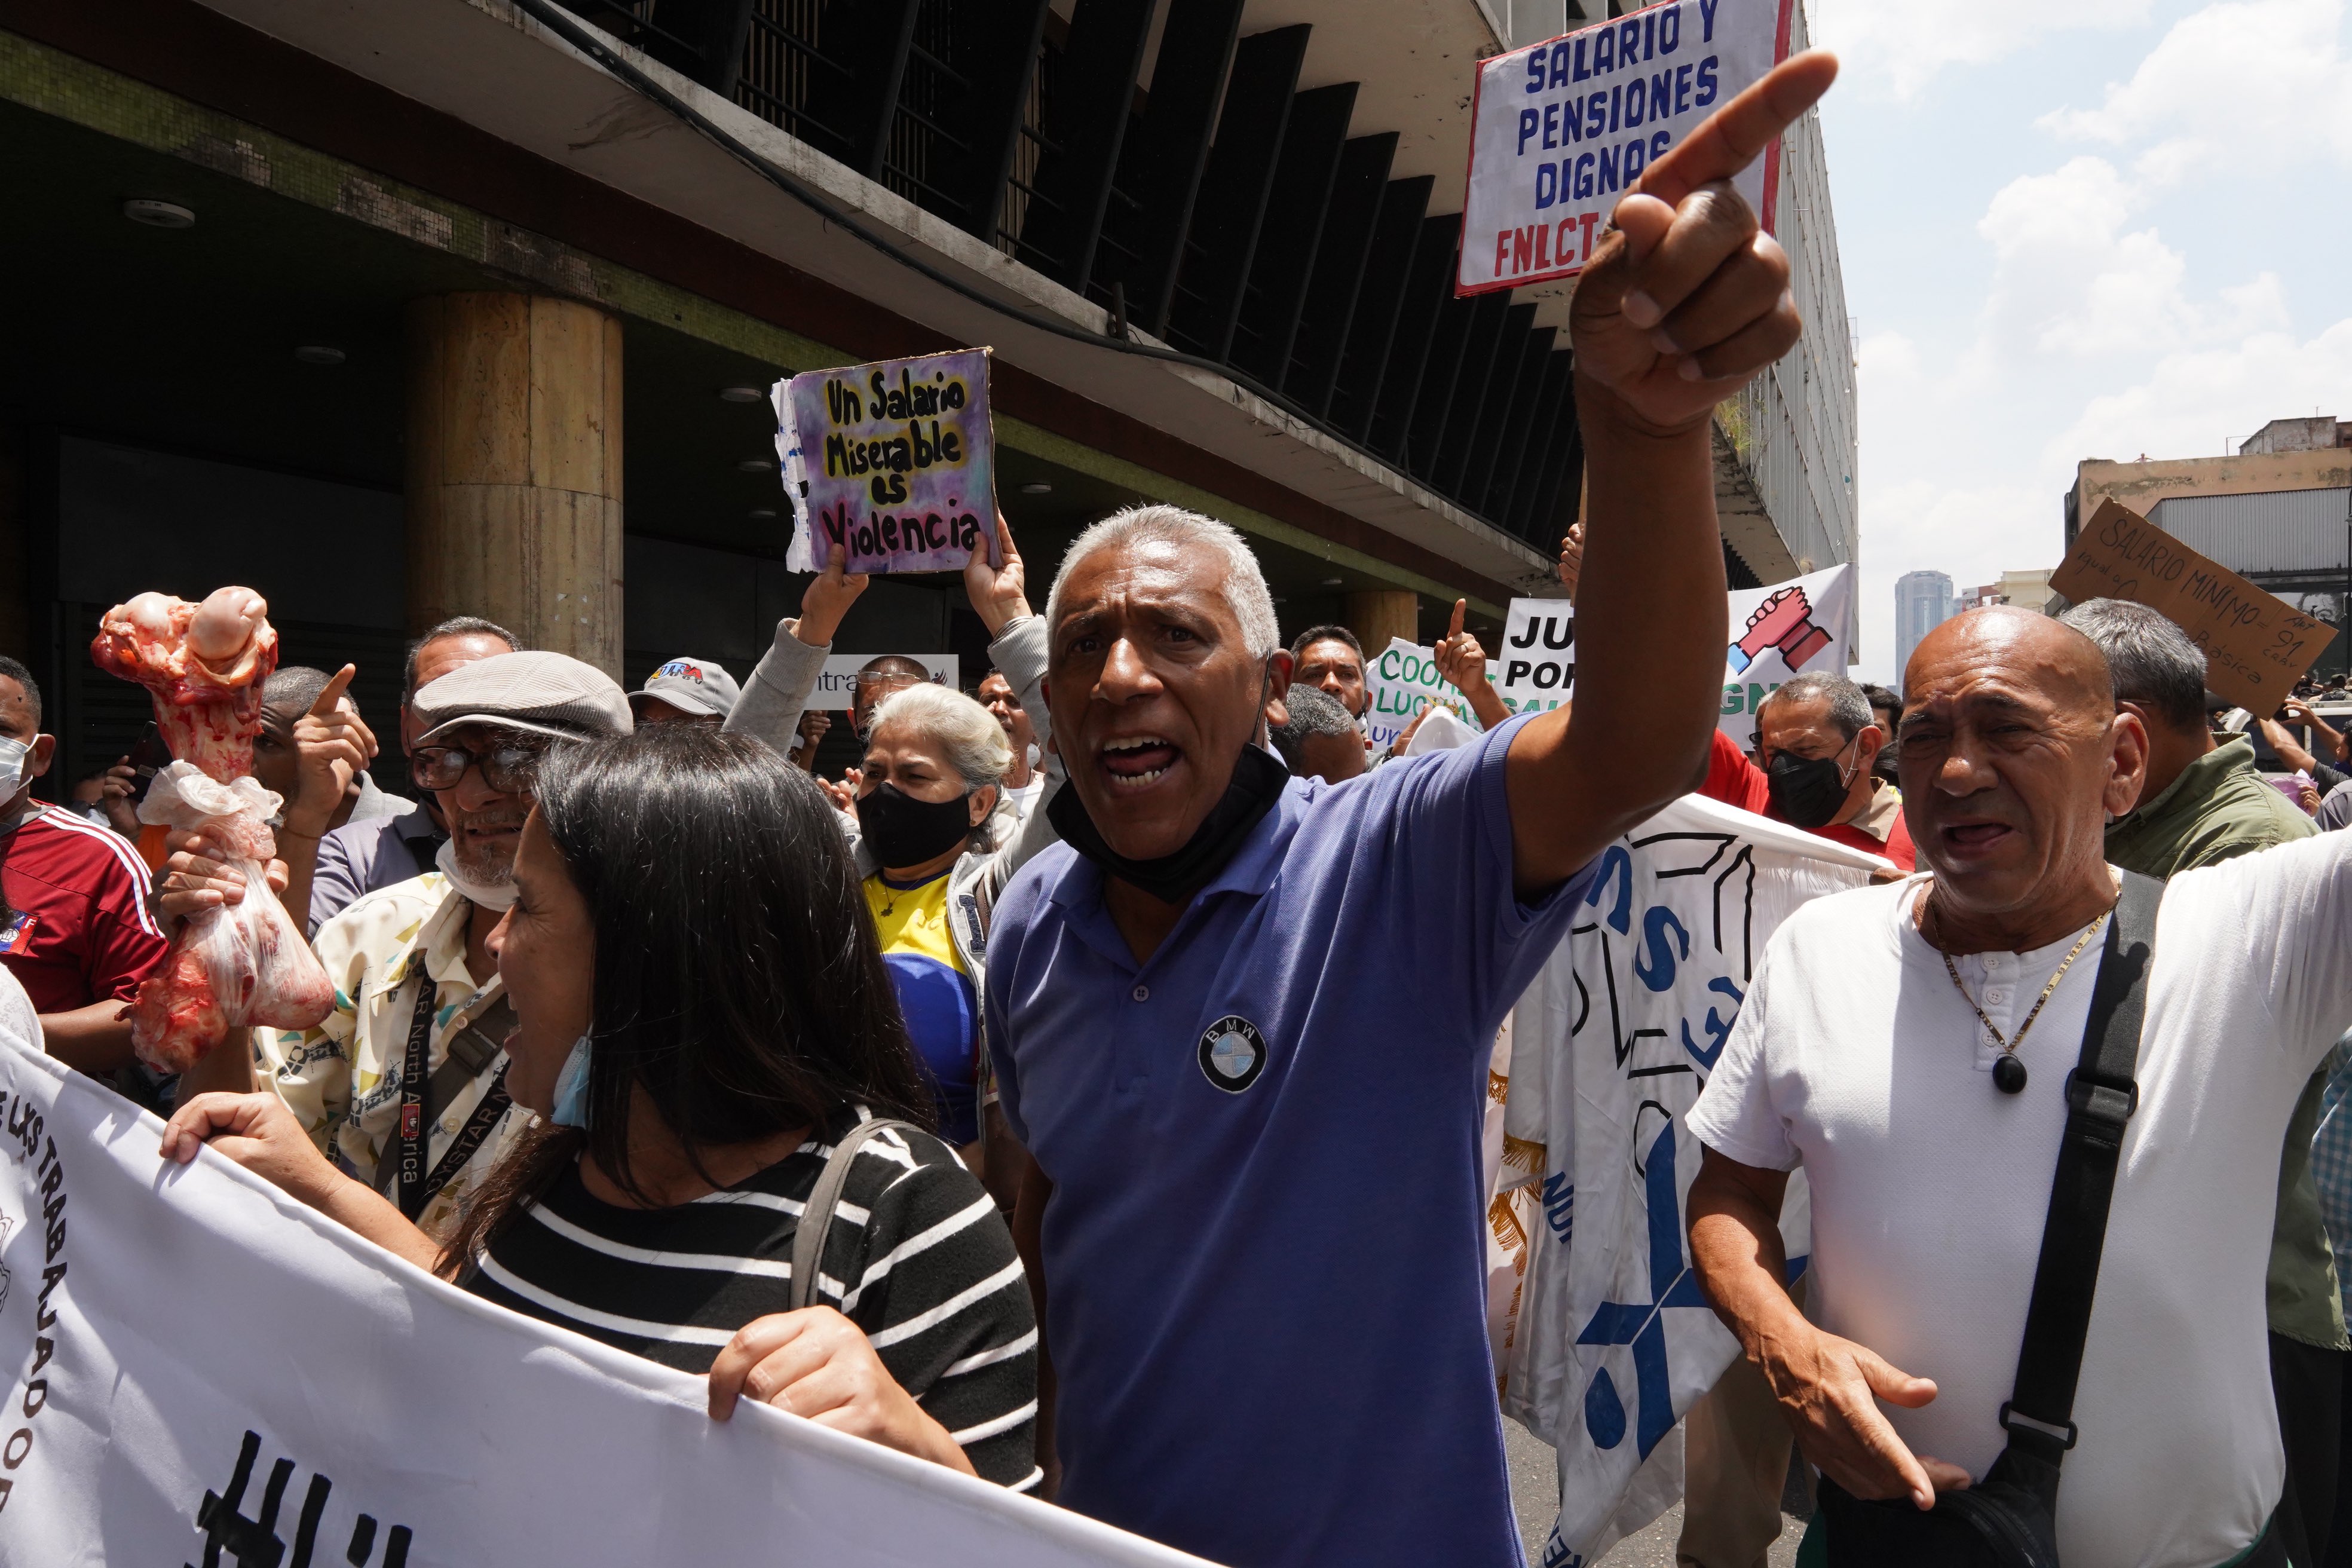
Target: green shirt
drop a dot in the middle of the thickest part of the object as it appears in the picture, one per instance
(2219, 807)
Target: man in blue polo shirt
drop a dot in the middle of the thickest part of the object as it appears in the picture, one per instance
(1241, 1022)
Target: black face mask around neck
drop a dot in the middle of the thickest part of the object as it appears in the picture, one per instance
(1257, 782)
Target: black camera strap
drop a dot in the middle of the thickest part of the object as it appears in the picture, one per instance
(2101, 1095)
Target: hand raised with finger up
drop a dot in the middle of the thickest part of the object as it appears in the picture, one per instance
(333, 746)
(1687, 298)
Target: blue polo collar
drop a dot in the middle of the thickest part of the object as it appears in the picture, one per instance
(1079, 892)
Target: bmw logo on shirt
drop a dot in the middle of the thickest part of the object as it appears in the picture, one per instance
(1233, 1053)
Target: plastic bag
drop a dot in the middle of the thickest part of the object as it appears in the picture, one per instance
(237, 964)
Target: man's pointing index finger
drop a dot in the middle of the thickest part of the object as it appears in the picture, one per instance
(1733, 135)
(333, 692)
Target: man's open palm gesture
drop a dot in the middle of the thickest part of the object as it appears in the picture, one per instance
(1687, 298)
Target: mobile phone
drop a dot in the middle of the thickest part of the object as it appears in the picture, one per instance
(148, 755)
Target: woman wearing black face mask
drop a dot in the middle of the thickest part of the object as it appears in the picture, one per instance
(936, 850)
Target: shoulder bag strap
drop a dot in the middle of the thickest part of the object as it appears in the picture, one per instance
(816, 1214)
(2101, 1095)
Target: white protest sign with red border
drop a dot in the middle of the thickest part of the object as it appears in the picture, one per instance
(1561, 129)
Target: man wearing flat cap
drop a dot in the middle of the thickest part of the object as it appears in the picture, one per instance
(403, 1083)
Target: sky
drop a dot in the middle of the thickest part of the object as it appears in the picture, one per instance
(2071, 229)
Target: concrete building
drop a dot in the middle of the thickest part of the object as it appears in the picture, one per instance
(2277, 513)
(428, 306)
(2026, 590)
(1922, 601)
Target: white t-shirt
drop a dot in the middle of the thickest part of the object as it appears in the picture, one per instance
(1856, 1056)
(1025, 796)
(18, 1019)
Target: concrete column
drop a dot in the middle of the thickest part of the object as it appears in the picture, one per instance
(514, 470)
(1380, 613)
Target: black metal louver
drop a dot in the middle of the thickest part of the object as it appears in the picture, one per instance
(1224, 207)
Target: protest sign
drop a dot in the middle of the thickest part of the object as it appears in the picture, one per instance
(2257, 645)
(1401, 683)
(1560, 130)
(893, 461)
(1613, 1339)
(1795, 627)
(1536, 663)
(1775, 632)
(197, 1368)
(838, 683)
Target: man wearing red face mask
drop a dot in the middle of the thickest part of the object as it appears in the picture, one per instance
(1817, 738)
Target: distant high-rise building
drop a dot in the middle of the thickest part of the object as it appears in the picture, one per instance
(1922, 601)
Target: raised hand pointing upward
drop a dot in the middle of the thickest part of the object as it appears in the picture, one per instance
(1461, 660)
(1687, 298)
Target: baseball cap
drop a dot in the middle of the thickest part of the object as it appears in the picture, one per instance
(539, 692)
(690, 685)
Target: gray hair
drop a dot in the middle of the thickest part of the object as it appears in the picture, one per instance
(1849, 704)
(2150, 661)
(968, 734)
(1312, 712)
(1245, 584)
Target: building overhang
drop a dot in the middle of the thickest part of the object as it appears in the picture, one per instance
(485, 63)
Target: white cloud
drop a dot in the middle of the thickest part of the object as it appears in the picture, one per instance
(1893, 49)
(2194, 402)
(1887, 357)
(2068, 279)
(2133, 294)
(2267, 80)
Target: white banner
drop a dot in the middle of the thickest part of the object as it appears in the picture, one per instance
(199, 1370)
(838, 684)
(1402, 681)
(1805, 624)
(1610, 1048)
(1560, 130)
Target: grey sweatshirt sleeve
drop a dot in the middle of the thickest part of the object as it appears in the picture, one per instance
(1020, 653)
(772, 701)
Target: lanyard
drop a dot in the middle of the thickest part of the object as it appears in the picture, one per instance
(410, 1133)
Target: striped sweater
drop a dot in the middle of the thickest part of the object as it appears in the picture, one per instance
(917, 1257)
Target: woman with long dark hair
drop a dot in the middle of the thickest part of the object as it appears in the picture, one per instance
(703, 1014)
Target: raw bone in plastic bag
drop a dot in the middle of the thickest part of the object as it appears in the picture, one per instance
(235, 965)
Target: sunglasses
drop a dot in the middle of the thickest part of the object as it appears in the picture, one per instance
(507, 767)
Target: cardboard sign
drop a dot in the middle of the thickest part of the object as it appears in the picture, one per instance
(2257, 645)
(838, 684)
(1403, 680)
(894, 462)
(1560, 130)
(1797, 625)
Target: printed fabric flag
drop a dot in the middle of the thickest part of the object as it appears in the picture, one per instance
(1613, 1337)
(199, 1370)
